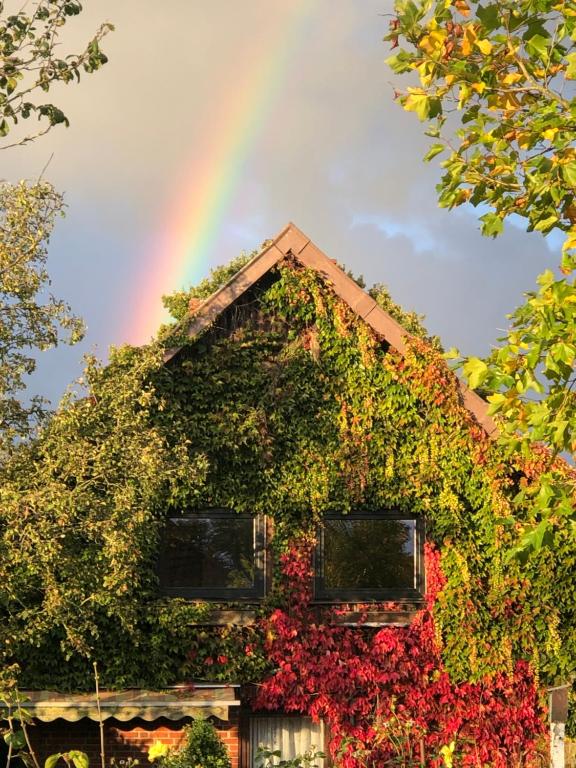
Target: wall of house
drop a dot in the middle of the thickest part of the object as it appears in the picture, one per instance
(122, 740)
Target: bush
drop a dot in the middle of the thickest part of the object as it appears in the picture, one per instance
(201, 748)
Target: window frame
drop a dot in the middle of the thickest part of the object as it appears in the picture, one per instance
(224, 594)
(324, 594)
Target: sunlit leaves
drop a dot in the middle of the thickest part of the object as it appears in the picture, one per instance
(32, 63)
(506, 70)
(30, 317)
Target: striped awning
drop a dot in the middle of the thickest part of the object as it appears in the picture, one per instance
(173, 704)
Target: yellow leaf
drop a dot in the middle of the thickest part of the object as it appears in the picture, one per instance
(479, 87)
(499, 170)
(433, 42)
(449, 79)
(426, 70)
(511, 78)
(468, 38)
(549, 133)
(485, 46)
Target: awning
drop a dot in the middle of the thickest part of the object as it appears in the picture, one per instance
(173, 703)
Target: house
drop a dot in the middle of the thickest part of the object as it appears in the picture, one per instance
(331, 573)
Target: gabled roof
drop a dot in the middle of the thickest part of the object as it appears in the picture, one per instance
(294, 243)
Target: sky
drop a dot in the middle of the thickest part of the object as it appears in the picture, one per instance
(214, 124)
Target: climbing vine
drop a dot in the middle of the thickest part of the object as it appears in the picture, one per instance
(289, 407)
(386, 694)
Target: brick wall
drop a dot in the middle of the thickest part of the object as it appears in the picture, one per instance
(121, 740)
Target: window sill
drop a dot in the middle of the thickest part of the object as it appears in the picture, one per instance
(402, 617)
(223, 618)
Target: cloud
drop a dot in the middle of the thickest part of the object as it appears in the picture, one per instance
(333, 153)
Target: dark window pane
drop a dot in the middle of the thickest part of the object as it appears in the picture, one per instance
(205, 552)
(369, 554)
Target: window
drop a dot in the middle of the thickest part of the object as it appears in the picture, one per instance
(369, 556)
(290, 734)
(212, 554)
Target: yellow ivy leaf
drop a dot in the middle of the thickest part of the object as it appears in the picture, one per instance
(485, 46)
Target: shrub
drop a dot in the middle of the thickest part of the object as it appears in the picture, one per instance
(202, 747)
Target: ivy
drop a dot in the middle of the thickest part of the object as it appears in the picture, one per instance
(291, 407)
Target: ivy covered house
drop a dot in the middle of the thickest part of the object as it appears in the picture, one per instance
(290, 517)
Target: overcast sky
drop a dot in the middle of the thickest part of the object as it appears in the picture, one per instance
(328, 149)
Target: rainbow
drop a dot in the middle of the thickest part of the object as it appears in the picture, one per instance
(196, 213)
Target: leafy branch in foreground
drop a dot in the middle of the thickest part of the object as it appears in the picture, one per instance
(496, 89)
(29, 319)
(30, 63)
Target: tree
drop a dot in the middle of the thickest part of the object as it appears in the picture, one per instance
(496, 89)
(29, 66)
(27, 323)
(29, 63)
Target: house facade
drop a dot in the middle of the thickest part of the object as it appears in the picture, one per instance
(333, 573)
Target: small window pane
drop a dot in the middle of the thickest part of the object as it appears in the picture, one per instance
(204, 552)
(369, 554)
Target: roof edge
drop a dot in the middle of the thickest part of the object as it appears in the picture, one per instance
(291, 241)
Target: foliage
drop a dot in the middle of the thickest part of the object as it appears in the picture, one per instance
(202, 746)
(31, 63)
(179, 303)
(72, 759)
(80, 512)
(15, 734)
(28, 320)
(496, 88)
(410, 321)
(290, 407)
(386, 696)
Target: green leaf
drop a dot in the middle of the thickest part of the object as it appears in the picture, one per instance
(51, 761)
(399, 63)
(475, 371)
(545, 225)
(538, 44)
(496, 401)
(569, 173)
(434, 150)
(489, 16)
(571, 68)
(492, 224)
(80, 759)
(15, 739)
